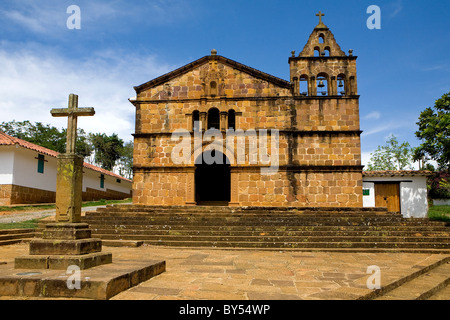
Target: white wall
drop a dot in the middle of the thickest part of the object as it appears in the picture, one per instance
(18, 166)
(413, 195)
(91, 179)
(6, 164)
(369, 201)
(26, 174)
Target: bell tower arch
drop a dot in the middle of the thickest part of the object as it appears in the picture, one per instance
(327, 70)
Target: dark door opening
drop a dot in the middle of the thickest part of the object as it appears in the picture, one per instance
(212, 181)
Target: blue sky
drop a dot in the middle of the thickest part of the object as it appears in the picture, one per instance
(402, 67)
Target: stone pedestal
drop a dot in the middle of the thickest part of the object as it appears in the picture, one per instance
(69, 188)
(63, 245)
(68, 241)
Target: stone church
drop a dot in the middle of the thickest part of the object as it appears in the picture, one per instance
(273, 142)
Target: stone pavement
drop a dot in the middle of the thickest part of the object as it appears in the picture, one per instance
(215, 274)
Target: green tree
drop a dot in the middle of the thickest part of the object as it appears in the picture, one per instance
(107, 149)
(392, 156)
(45, 135)
(126, 160)
(434, 131)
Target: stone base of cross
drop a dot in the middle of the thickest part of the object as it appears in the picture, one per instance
(69, 188)
(70, 166)
(67, 241)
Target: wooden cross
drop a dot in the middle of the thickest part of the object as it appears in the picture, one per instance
(72, 112)
(320, 15)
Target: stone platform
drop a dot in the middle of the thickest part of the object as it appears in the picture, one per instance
(348, 229)
(100, 283)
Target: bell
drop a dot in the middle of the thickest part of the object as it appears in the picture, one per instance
(321, 85)
(340, 84)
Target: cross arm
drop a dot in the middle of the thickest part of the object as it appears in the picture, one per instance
(80, 112)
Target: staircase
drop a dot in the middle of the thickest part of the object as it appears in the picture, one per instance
(429, 283)
(11, 236)
(337, 229)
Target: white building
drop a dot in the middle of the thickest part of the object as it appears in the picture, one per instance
(28, 175)
(402, 191)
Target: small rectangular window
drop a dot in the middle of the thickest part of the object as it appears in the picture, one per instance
(102, 181)
(366, 192)
(118, 180)
(41, 161)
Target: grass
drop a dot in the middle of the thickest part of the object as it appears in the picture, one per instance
(30, 224)
(25, 208)
(440, 213)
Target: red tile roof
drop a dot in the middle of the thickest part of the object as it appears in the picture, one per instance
(396, 173)
(11, 141)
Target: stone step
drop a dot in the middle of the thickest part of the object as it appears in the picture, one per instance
(443, 294)
(422, 287)
(145, 208)
(299, 245)
(262, 232)
(256, 227)
(15, 231)
(261, 228)
(275, 239)
(14, 241)
(187, 216)
(245, 222)
(13, 236)
(114, 211)
(122, 243)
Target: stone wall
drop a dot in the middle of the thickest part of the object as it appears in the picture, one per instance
(94, 195)
(13, 194)
(318, 147)
(300, 189)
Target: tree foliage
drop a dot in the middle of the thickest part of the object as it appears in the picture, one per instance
(107, 149)
(46, 136)
(125, 162)
(391, 156)
(439, 185)
(434, 131)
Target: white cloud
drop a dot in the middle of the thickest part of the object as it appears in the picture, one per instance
(37, 17)
(32, 82)
(377, 129)
(395, 8)
(48, 18)
(373, 115)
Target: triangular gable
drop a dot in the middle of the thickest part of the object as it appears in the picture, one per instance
(329, 43)
(197, 63)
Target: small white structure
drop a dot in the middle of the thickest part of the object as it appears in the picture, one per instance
(28, 175)
(402, 191)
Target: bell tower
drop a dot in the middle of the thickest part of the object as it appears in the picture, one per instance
(322, 68)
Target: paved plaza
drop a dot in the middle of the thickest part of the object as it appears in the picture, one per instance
(217, 274)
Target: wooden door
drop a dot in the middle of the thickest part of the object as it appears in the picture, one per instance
(388, 195)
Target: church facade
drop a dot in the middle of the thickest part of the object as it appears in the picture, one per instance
(216, 131)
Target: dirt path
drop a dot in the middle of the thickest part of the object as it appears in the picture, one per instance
(18, 216)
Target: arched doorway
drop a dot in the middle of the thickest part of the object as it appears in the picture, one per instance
(212, 179)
